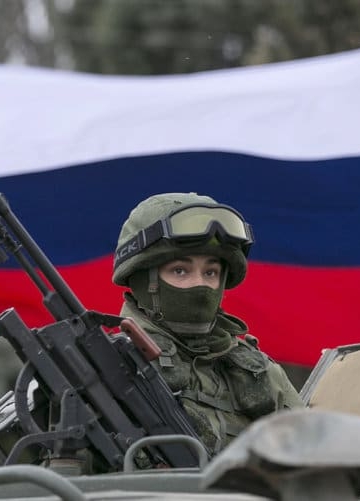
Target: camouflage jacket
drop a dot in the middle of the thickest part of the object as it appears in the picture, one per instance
(224, 382)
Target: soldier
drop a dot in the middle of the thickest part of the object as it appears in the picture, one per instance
(178, 252)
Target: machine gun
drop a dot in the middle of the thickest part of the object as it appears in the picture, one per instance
(103, 393)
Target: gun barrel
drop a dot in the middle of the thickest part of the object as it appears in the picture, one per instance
(34, 251)
(107, 386)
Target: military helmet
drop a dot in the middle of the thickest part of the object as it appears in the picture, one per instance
(168, 226)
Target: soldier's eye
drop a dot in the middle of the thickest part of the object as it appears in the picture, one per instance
(179, 271)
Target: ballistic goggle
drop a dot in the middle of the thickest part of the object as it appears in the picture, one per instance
(198, 223)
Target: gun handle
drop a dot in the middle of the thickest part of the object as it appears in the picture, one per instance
(140, 339)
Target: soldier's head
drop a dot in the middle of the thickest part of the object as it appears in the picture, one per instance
(181, 228)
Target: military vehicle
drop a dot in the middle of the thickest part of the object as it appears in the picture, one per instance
(88, 409)
(296, 455)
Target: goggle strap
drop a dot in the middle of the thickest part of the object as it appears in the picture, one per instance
(152, 234)
(141, 241)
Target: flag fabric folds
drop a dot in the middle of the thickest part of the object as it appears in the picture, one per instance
(278, 142)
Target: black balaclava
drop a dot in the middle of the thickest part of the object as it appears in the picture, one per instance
(185, 311)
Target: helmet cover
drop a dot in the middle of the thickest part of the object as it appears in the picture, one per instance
(158, 207)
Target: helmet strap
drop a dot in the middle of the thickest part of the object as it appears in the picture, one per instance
(224, 274)
(153, 290)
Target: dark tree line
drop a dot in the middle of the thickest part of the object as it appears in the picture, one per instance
(173, 36)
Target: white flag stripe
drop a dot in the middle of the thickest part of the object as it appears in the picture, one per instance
(301, 110)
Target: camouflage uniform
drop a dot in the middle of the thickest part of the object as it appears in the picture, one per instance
(223, 380)
(10, 366)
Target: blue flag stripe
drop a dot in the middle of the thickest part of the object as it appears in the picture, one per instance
(302, 212)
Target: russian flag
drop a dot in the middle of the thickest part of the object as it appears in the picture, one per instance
(279, 142)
